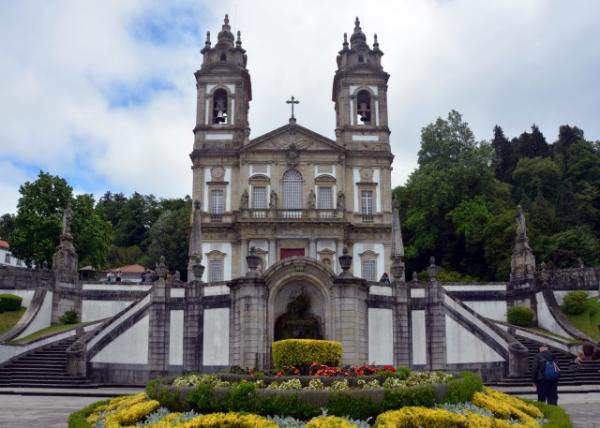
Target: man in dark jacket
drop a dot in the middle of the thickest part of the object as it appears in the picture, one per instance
(547, 390)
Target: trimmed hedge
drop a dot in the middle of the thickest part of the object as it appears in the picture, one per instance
(521, 316)
(10, 302)
(301, 353)
(574, 302)
(306, 404)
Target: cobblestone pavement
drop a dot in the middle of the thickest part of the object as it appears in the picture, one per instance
(26, 411)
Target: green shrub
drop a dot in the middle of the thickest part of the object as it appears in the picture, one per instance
(302, 353)
(574, 302)
(461, 390)
(242, 398)
(77, 419)
(521, 316)
(10, 302)
(340, 404)
(69, 317)
(413, 396)
(288, 406)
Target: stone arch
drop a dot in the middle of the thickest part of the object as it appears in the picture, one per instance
(287, 277)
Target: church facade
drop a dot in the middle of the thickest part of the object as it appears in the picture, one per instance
(292, 192)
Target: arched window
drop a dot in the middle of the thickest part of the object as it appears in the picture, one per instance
(363, 107)
(292, 189)
(220, 106)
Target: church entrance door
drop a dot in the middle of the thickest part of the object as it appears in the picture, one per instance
(291, 252)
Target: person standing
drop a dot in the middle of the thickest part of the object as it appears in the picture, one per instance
(545, 375)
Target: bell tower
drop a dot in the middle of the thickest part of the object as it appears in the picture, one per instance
(360, 94)
(223, 93)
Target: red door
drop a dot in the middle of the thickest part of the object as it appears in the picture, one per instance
(291, 252)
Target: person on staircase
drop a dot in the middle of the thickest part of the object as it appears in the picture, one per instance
(545, 375)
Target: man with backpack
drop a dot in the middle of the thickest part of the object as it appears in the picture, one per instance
(546, 374)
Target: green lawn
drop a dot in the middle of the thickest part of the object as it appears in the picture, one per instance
(45, 332)
(589, 320)
(9, 319)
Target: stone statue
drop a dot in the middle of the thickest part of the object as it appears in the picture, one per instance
(244, 200)
(341, 200)
(521, 227)
(312, 200)
(66, 220)
(273, 200)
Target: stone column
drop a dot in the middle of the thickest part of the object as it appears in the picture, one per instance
(158, 334)
(249, 346)
(272, 252)
(435, 319)
(193, 326)
(312, 249)
(349, 310)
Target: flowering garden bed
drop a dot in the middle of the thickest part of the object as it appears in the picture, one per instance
(384, 399)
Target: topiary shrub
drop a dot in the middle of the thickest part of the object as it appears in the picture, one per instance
(521, 316)
(10, 302)
(69, 317)
(574, 302)
(302, 353)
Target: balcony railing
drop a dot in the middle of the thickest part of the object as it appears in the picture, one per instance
(292, 214)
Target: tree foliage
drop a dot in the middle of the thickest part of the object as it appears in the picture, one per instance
(459, 204)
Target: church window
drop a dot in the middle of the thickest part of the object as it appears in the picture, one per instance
(259, 197)
(215, 269)
(369, 269)
(223, 57)
(220, 106)
(366, 198)
(363, 107)
(325, 198)
(292, 189)
(217, 201)
(361, 58)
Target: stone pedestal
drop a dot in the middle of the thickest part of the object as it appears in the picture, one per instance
(192, 326)
(66, 286)
(402, 338)
(249, 345)
(436, 326)
(349, 306)
(158, 336)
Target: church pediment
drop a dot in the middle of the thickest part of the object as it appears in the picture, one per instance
(292, 137)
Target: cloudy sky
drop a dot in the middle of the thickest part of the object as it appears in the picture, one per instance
(102, 92)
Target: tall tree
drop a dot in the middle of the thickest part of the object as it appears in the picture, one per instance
(91, 231)
(38, 221)
(7, 225)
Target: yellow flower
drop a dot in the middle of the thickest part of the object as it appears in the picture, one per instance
(329, 422)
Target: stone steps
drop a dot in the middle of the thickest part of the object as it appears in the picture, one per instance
(43, 368)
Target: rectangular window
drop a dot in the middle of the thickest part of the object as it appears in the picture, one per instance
(367, 202)
(259, 197)
(215, 270)
(369, 270)
(217, 201)
(325, 198)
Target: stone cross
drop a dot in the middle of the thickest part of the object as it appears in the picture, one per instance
(292, 101)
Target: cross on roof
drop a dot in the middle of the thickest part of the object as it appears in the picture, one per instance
(292, 101)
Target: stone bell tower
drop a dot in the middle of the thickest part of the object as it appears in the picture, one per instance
(360, 94)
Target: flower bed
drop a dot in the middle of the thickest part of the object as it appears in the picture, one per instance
(488, 408)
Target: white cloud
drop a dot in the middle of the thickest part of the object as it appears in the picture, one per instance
(507, 62)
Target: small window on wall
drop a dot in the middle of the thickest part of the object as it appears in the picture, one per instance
(223, 57)
(259, 197)
(325, 198)
(363, 107)
(369, 270)
(215, 269)
(217, 201)
(220, 106)
(366, 199)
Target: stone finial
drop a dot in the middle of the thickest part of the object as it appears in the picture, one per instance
(522, 264)
(198, 268)
(415, 276)
(397, 269)
(45, 265)
(580, 262)
(345, 262)
(521, 224)
(253, 261)
(345, 44)
(375, 42)
(397, 243)
(432, 269)
(544, 274)
(207, 42)
(238, 42)
(67, 219)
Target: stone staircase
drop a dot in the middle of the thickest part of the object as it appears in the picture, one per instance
(587, 373)
(42, 368)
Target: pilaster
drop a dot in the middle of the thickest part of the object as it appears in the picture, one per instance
(158, 334)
